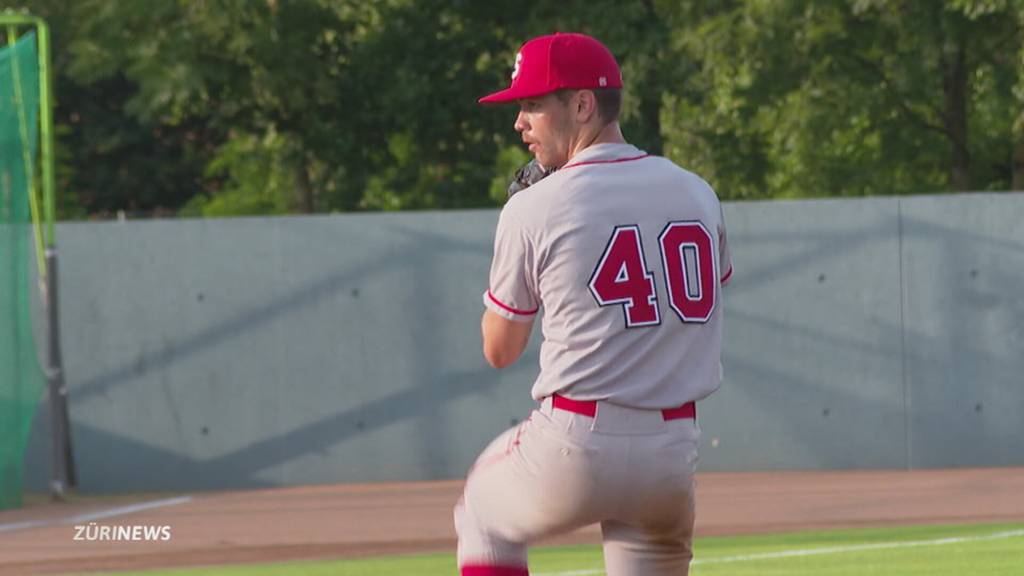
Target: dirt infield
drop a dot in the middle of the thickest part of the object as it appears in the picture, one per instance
(348, 520)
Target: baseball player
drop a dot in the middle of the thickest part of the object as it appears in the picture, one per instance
(626, 253)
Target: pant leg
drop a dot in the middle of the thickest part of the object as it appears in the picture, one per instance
(533, 481)
(652, 535)
(634, 551)
(481, 551)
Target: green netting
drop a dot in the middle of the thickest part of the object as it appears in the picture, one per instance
(21, 380)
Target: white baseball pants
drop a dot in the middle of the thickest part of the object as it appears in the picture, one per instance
(629, 470)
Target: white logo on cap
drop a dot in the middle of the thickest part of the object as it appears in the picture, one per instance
(602, 81)
(515, 70)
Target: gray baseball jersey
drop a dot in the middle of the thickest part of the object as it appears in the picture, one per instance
(629, 276)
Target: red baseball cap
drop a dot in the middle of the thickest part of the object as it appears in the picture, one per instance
(558, 61)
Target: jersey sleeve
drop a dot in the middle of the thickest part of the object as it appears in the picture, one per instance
(512, 292)
(724, 257)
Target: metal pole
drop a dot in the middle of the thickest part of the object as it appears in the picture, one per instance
(63, 460)
(12, 41)
(65, 472)
(46, 130)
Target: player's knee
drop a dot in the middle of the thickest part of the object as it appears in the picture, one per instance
(459, 514)
(480, 552)
(467, 526)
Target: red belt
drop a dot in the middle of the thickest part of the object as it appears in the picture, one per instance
(589, 408)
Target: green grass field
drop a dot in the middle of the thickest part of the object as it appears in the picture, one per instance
(981, 550)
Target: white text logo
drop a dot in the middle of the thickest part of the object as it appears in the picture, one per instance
(93, 532)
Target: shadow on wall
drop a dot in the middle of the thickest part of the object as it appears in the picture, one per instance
(385, 376)
(118, 462)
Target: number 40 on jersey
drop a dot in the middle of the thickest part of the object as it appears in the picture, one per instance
(623, 278)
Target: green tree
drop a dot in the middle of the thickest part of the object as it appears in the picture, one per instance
(839, 97)
(1016, 64)
(316, 105)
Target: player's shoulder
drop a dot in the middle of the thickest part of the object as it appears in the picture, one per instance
(691, 179)
(524, 210)
(536, 197)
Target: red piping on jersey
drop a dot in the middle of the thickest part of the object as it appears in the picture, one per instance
(615, 161)
(727, 275)
(509, 308)
(494, 571)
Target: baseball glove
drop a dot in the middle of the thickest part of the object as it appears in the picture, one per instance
(527, 176)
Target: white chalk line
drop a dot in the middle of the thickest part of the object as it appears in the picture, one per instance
(93, 516)
(827, 550)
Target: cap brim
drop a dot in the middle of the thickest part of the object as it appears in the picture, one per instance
(509, 95)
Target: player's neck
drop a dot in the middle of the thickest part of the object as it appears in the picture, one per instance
(610, 133)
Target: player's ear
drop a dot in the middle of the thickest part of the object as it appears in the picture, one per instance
(585, 105)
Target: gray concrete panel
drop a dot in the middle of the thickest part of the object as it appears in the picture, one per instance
(963, 262)
(812, 339)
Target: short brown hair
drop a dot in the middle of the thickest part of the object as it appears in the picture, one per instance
(609, 101)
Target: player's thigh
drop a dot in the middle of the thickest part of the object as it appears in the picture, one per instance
(539, 484)
(652, 534)
(498, 449)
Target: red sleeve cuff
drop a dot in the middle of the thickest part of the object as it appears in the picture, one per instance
(508, 308)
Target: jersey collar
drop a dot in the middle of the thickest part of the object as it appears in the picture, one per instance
(605, 154)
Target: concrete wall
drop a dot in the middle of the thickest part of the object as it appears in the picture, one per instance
(869, 333)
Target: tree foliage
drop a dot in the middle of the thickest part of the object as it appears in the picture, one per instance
(221, 107)
(835, 97)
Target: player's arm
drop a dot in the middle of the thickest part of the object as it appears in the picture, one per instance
(504, 340)
(512, 300)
